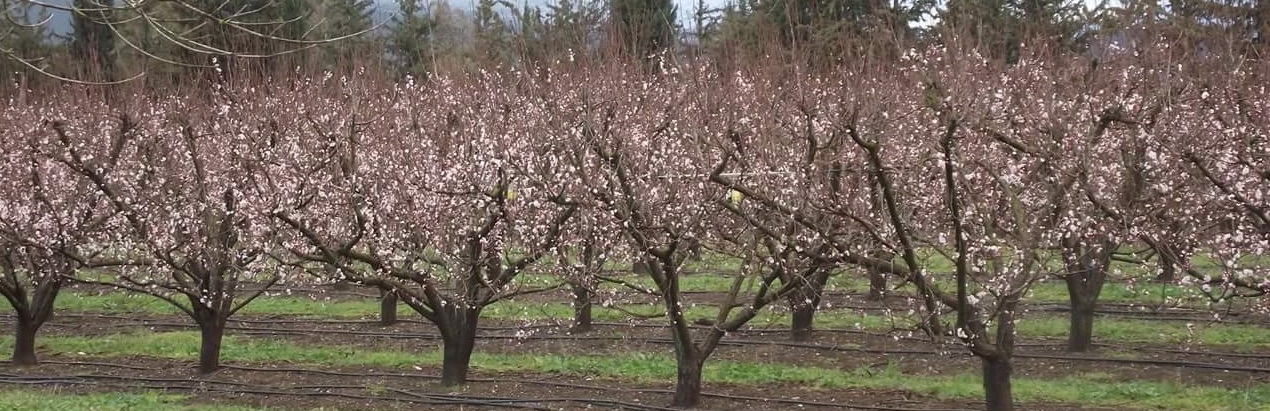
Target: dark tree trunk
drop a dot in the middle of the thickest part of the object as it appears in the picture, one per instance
(803, 316)
(213, 332)
(456, 361)
(996, 383)
(1083, 288)
(688, 380)
(1168, 263)
(1080, 336)
(581, 309)
(877, 284)
(24, 342)
(1168, 273)
(803, 304)
(387, 308)
(1086, 272)
(458, 341)
(29, 318)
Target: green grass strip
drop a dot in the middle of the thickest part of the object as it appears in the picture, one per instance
(32, 400)
(642, 367)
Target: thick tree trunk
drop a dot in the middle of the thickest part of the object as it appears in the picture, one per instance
(803, 304)
(1083, 289)
(387, 308)
(581, 309)
(802, 317)
(24, 342)
(458, 341)
(688, 381)
(1086, 273)
(1168, 273)
(996, 383)
(1168, 263)
(1080, 336)
(877, 285)
(456, 361)
(213, 332)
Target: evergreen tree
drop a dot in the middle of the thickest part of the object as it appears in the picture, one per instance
(345, 17)
(22, 41)
(410, 42)
(736, 35)
(291, 22)
(1238, 27)
(643, 28)
(492, 35)
(92, 42)
(573, 25)
(564, 31)
(990, 25)
(838, 28)
(1000, 27)
(208, 36)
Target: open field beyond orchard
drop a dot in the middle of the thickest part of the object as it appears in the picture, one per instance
(322, 348)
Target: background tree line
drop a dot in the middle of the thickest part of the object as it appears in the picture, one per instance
(174, 43)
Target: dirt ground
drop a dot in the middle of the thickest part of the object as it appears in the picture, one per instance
(305, 387)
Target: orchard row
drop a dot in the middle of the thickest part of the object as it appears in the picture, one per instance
(441, 193)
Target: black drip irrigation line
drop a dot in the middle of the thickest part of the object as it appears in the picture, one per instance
(727, 396)
(561, 384)
(1188, 352)
(1172, 363)
(1139, 311)
(289, 320)
(207, 385)
(99, 364)
(135, 321)
(63, 379)
(405, 335)
(1163, 363)
(788, 344)
(258, 331)
(1125, 314)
